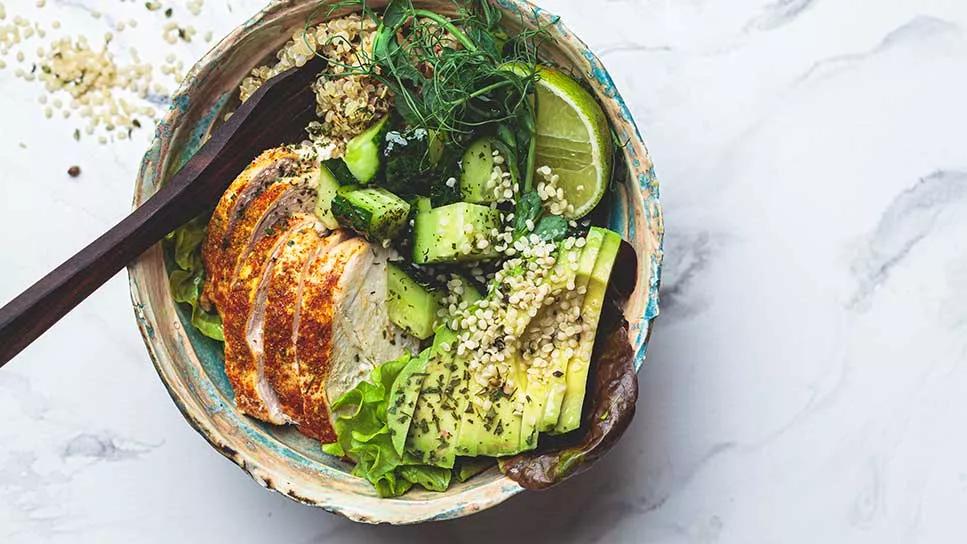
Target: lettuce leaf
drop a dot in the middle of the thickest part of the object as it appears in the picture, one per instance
(364, 436)
(189, 277)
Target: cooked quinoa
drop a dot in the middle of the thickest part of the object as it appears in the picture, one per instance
(346, 104)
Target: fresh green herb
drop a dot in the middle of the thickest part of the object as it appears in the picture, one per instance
(529, 208)
(406, 154)
(552, 228)
(450, 76)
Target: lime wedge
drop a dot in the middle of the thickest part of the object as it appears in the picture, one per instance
(573, 139)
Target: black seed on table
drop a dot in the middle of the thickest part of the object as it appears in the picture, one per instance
(74, 171)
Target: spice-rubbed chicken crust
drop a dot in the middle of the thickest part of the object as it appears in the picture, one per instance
(234, 224)
(239, 254)
(283, 314)
(315, 342)
(244, 332)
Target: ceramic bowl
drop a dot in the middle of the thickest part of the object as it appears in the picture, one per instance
(191, 366)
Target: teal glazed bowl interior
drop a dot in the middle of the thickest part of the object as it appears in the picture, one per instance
(191, 366)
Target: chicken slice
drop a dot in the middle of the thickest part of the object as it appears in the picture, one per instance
(243, 315)
(341, 335)
(315, 340)
(242, 214)
(364, 336)
(283, 313)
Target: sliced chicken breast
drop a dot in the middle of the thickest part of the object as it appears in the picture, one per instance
(283, 313)
(363, 335)
(345, 331)
(315, 340)
(243, 317)
(303, 309)
(242, 214)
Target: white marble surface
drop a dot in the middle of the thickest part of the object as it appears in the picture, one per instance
(807, 377)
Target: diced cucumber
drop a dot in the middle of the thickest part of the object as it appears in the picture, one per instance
(457, 232)
(422, 204)
(362, 152)
(411, 306)
(340, 171)
(327, 189)
(372, 211)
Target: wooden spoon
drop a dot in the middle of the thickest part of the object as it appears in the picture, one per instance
(275, 114)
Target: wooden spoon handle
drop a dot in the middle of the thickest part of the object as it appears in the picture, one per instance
(276, 113)
(30, 314)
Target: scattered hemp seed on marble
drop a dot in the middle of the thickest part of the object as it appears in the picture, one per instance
(103, 88)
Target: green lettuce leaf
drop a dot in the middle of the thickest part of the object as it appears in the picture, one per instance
(364, 436)
(189, 277)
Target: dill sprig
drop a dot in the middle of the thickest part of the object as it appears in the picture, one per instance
(448, 74)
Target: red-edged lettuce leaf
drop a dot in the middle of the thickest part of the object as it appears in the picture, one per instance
(608, 410)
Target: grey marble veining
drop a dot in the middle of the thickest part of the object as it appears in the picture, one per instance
(806, 378)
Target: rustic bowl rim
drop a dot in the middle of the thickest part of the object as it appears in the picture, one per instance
(378, 511)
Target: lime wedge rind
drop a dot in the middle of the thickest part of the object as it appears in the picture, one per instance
(562, 139)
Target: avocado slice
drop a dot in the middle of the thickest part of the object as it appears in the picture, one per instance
(433, 432)
(492, 432)
(410, 306)
(538, 386)
(470, 432)
(578, 366)
(470, 295)
(450, 233)
(468, 467)
(470, 292)
(502, 424)
(559, 364)
(403, 397)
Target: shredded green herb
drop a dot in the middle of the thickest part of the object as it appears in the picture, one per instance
(455, 76)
